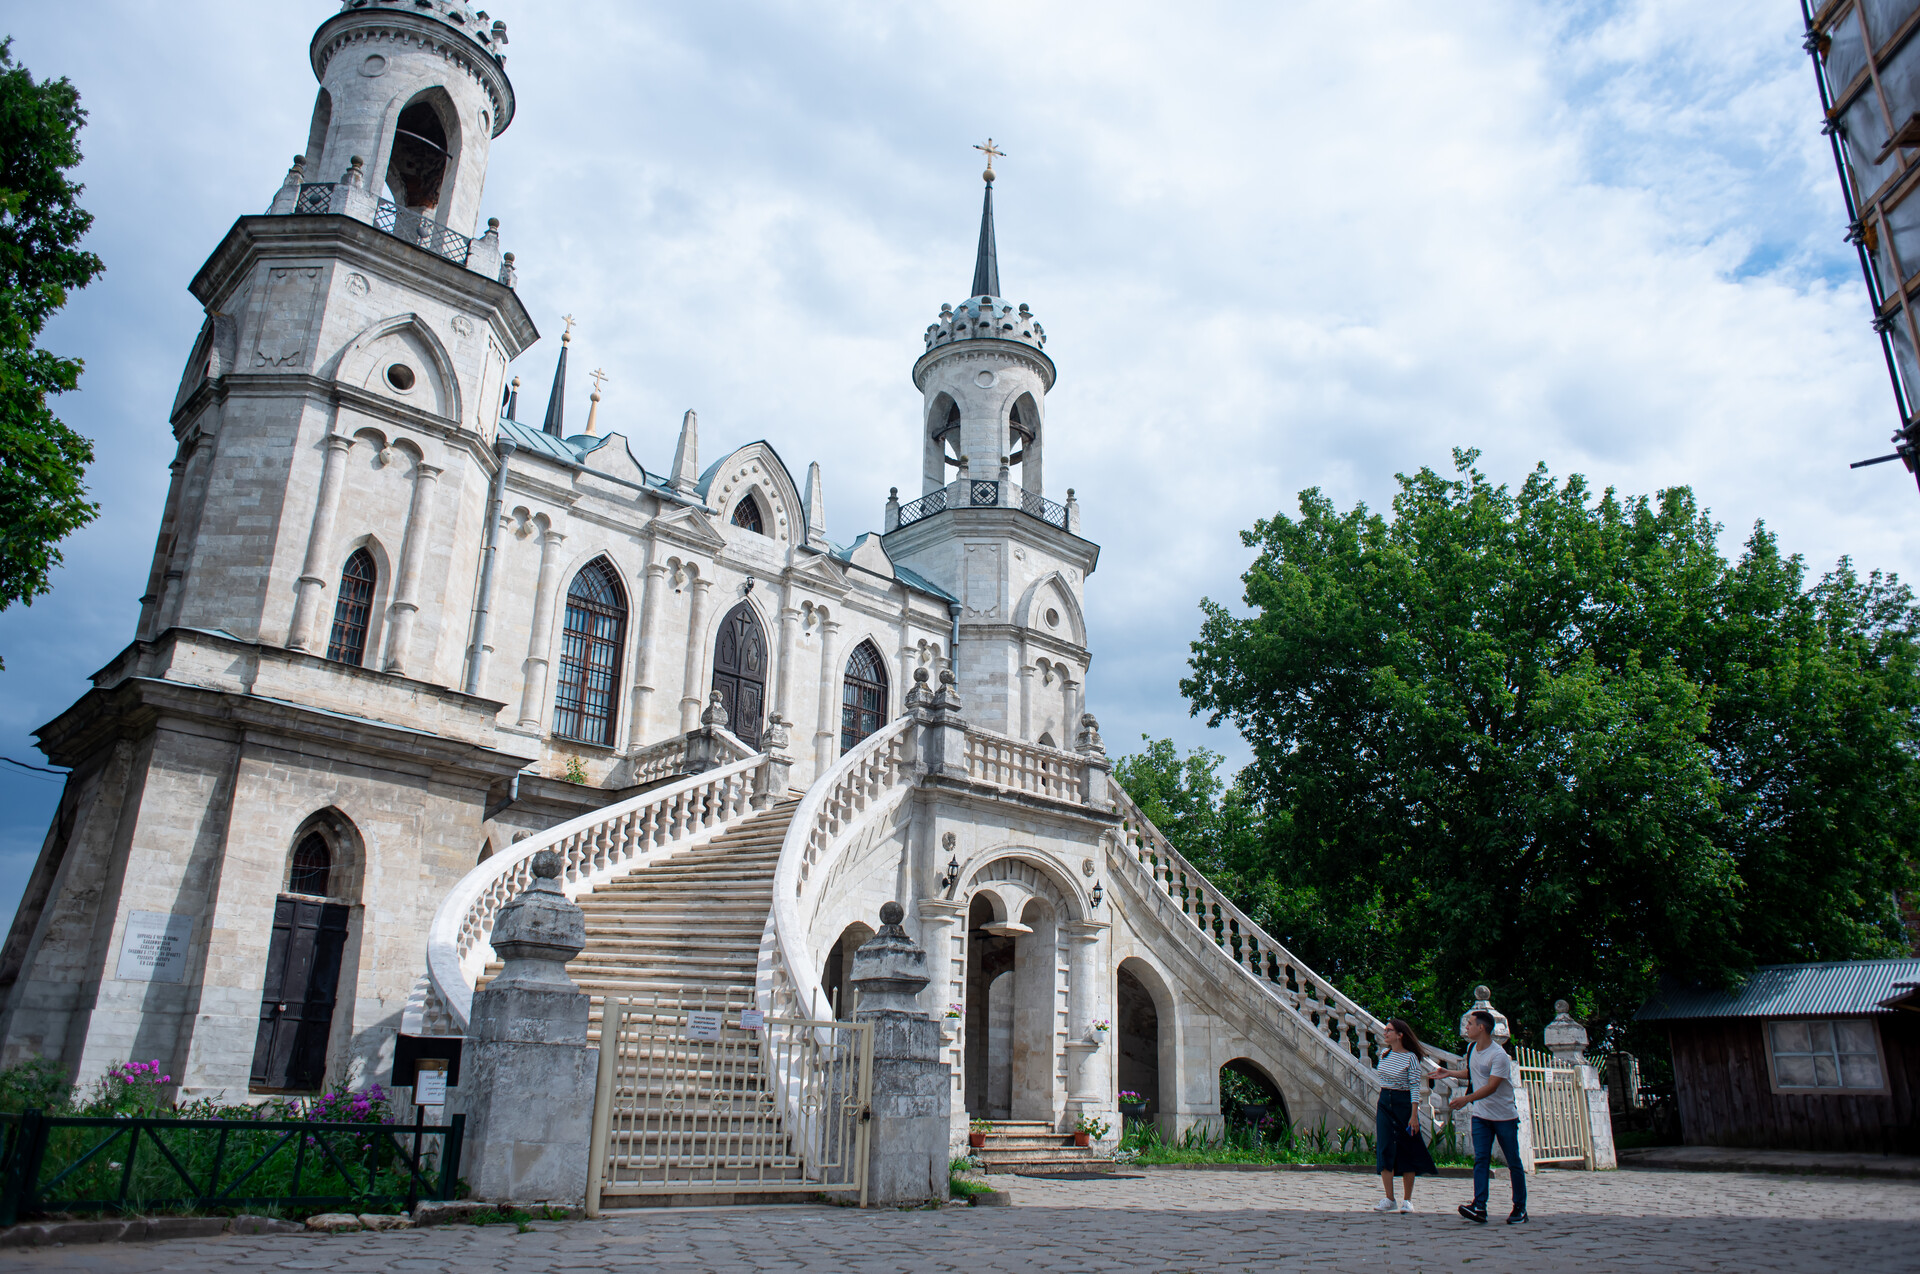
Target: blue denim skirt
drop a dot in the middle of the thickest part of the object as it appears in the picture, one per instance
(1395, 1149)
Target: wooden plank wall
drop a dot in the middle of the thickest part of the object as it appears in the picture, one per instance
(1725, 1099)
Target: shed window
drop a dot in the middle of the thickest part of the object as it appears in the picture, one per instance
(1834, 1056)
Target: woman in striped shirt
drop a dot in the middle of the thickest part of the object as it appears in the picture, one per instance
(1397, 1148)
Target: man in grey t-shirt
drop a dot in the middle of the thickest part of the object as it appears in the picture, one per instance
(1490, 1078)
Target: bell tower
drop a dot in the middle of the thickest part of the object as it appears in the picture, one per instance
(983, 529)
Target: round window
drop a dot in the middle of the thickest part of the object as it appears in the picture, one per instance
(400, 376)
(1053, 618)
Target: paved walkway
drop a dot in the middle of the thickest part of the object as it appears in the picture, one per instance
(1164, 1222)
(1723, 1159)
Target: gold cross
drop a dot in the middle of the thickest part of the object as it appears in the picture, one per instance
(596, 378)
(992, 153)
(568, 320)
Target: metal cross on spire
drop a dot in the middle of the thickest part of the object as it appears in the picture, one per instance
(566, 337)
(596, 377)
(992, 153)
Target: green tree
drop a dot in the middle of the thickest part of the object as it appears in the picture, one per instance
(1555, 742)
(42, 462)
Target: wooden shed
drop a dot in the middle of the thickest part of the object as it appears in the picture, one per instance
(1800, 1057)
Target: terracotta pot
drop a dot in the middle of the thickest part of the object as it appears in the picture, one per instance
(977, 1140)
(1081, 1139)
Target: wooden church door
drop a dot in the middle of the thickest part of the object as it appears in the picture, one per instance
(296, 1005)
(740, 672)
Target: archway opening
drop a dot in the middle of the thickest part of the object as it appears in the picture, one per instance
(1137, 1025)
(417, 168)
(836, 976)
(1251, 1101)
(989, 1014)
(740, 672)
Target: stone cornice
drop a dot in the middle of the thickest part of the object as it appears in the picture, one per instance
(983, 795)
(366, 26)
(984, 349)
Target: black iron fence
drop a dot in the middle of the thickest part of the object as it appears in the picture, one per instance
(423, 231)
(80, 1164)
(984, 493)
(925, 507)
(1036, 505)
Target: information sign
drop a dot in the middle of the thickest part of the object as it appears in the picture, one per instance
(703, 1026)
(155, 947)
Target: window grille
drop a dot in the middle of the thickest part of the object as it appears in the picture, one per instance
(746, 514)
(312, 865)
(586, 703)
(1834, 1055)
(351, 609)
(863, 696)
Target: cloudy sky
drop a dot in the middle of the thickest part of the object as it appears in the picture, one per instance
(1274, 246)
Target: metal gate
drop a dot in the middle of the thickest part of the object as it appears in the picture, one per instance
(696, 1097)
(1559, 1109)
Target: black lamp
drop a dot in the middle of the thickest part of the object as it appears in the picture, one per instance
(953, 873)
(1097, 893)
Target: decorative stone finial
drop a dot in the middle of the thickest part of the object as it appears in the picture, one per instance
(539, 931)
(355, 175)
(1089, 740)
(889, 969)
(919, 697)
(776, 737)
(948, 697)
(1565, 1038)
(1481, 1000)
(716, 713)
(546, 865)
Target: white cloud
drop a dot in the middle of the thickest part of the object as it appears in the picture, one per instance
(1273, 247)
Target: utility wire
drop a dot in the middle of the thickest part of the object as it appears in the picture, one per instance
(41, 769)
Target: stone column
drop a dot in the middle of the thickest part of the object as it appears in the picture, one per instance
(533, 695)
(326, 510)
(696, 650)
(1084, 1090)
(1027, 672)
(163, 544)
(943, 741)
(703, 744)
(186, 530)
(643, 676)
(527, 1086)
(783, 692)
(912, 1098)
(828, 729)
(1566, 1039)
(426, 479)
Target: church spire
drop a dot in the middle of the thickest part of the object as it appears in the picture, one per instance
(557, 398)
(986, 262)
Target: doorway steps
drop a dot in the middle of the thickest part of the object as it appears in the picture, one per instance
(1032, 1146)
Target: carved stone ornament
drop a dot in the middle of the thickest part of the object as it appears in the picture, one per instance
(948, 841)
(357, 284)
(540, 930)
(890, 968)
(1565, 1038)
(1481, 1001)
(715, 714)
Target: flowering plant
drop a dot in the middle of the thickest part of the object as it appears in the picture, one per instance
(1128, 1095)
(1101, 1025)
(131, 1088)
(954, 1010)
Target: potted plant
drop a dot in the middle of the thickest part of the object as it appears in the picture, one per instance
(1087, 1130)
(1132, 1103)
(977, 1130)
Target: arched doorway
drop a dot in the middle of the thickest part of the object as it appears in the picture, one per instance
(1249, 1096)
(989, 1012)
(740, 672)
(836, 975)
(1137, 1046)
(1014, 985)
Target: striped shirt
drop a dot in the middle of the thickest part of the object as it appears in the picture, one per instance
(1400, 1072)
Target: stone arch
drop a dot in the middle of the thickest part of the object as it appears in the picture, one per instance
(377, 600)
(346, 853)
(402, 340)
(1052, 592)
(1258, 1077)
(836, 971)
(591, 671)
(866, 691)
(317, 129)
(423, 143)
(1017, 906)
(757, 468)
(1147, 1064)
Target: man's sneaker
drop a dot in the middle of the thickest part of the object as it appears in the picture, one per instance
(1472, 1213)
(1406, 1205)
(1383, 1205)
(1516, 1217)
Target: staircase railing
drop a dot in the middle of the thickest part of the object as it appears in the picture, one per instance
(1347, 1028)
(664, 759)
(593, 848)
(866, 783)
(1004, 761)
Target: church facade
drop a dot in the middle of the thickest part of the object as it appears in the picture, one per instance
(396, 636)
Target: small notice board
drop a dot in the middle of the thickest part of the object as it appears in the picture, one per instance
(155, 947)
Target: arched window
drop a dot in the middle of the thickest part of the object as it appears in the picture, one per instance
(312, 865)
(351, 609)
(863, 696)
(584, 708)
(419, 161)
(747, 514)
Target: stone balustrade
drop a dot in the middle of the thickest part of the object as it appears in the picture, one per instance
(1000, 760)
(593, 848)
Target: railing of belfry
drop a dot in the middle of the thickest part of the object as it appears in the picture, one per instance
(866, 783)
(1007, 762)
(593, 848)
(1343, 1024)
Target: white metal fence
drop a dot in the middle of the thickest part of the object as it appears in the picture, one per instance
(1558, 1108)
(698, 1096)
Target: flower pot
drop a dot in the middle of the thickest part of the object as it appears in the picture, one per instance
(977, 1140)
(1133, 1108)
(1081, 1139)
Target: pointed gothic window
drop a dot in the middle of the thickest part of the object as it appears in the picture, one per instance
(312, 864)
(747, 514)
(586, 704)
(348, 644)
(863, 696)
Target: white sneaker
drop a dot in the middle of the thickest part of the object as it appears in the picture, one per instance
(1383, 1205)
(1406, 1205)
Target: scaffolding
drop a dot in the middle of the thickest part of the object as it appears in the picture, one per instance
(1866, 58)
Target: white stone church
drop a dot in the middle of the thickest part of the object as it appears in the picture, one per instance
(403, 629)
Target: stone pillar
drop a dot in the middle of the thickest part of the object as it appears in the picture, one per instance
(533, 695)
(643, 676)
(770, 780)
(1566, 1039)
(173, 587)
(527, 1086)
(912, 1099)
(426, 479)
(1027, 672)
(326, 509)
(943, 741)
(703, 744)
(696, 649)
(828, 729)
(1463, 1118)
(1099, 772)
(783, 692)
(1085, 1093)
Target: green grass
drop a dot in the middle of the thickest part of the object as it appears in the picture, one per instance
(1276, 1143)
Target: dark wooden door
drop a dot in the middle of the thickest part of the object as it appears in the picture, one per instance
(296, 1005)
(740, 672)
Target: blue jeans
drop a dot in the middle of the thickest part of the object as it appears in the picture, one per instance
(1484, 1132)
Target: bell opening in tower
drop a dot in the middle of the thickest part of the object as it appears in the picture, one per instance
(418, 166)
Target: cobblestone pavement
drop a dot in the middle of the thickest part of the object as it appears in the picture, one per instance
(1162, 1221)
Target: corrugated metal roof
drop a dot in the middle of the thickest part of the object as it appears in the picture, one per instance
(1786, 990)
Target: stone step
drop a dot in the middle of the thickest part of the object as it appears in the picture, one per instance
(1056, 1141)
(1022, 1127)
(1043, 1166)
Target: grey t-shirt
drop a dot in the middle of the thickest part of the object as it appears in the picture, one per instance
(1484, 1063)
